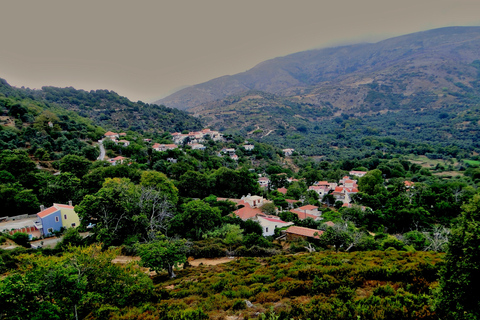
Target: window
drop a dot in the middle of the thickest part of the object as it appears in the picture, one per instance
(56, 219)
(266, 229)
(65, 216)
(73, 224)
(50, 230)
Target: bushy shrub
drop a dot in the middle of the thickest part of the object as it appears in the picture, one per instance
(21, 239)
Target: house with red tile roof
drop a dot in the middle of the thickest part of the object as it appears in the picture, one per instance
(117, 160)
(294, 233)
(409, 184)
(310, 209)
(302, 215)
(270, 223)
(111, 135)
(54, 218)
(343, 194)
(357, 173)
(164, 147)
(247, 212)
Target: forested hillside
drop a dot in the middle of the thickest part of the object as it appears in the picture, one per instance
(109, 110)
(421, 88)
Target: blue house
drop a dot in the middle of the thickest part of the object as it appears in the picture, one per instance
(50, 221)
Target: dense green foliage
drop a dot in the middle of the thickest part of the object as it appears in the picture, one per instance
(105, 108)
(458, 296)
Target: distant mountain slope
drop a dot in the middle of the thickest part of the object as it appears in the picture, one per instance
(432, 53)
(421, 88)
(109, 110)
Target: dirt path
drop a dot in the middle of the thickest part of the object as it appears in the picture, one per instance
(210, 262)
(270, 131)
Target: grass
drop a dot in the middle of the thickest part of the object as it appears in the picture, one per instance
(473, 163)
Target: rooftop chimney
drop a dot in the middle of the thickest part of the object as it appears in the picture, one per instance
(70, 203)
(42, 207)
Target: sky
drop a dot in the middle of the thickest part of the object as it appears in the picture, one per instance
(145, 50)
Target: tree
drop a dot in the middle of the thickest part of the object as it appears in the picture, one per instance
(340, 235)
(77, 165)
(70, 286)
(269, 208)
(371, 183)
(163, 254)
(198, 216)
(161, 183)
(458, 296)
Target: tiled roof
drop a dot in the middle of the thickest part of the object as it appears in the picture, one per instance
(110, 133)
(302, 215)
(46, 212)
(247, 212)
(330, 223)
(274, 220)
(66, 206)
(308, 207)
(282, 190)
(409, 183)
(306, 232)
(292, 200)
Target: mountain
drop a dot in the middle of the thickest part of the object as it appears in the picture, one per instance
(421, 87)
(347, 66)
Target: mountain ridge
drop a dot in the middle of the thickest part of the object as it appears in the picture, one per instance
(312, 67)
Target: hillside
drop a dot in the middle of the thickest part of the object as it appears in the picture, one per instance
(109, 110)
(422, 87)
(428, 57)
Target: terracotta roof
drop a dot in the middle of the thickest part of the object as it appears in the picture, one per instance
(274, 220)
(338, 189)
(330, 223)
(308, 207)
(46, 212)
(292, 200)
(305, 232)
(118, 158)
(247, 212)
(282, 190)
(263, 179)
(302, 215)
(110, 133)
(66, 206)
(409, 183)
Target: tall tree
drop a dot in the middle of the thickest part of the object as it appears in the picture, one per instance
(458, 296)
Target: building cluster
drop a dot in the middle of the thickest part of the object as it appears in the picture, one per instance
(196, 136)
(250, 208)
(113, 136)
(341, 191)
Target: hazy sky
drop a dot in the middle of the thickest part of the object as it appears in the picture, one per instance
(146, 49)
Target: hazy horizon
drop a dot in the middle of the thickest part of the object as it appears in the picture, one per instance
(146, 50)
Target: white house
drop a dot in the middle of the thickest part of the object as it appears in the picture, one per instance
(269, 224)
